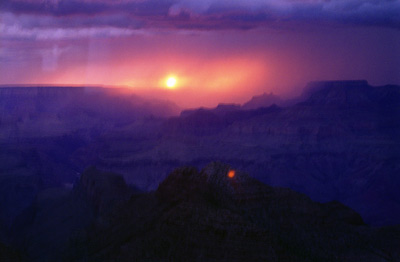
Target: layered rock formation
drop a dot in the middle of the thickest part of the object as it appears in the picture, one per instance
(42, 127)
(341, 143)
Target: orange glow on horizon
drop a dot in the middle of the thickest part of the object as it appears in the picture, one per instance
(231, 173)
(198, 81)
(191, 73)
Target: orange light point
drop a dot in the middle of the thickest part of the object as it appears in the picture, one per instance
(231, 173)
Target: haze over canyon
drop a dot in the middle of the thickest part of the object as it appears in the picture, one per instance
(199, 130)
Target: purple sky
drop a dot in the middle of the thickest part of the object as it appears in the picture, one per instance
(219, 50)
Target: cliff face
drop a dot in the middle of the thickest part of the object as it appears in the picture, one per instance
(106, 191)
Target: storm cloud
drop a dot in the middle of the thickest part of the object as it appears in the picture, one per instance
(200, 15)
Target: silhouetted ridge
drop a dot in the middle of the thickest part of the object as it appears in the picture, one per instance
(41, 91)
(341, 93)
(207, 215)
(337, 84)
(212, 182)
(220, 110)
(244, 192)
(224, 108)
(204, 121)
(264, 100)
(199, 122)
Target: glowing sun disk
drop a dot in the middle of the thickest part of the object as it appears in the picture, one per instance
(171, 82)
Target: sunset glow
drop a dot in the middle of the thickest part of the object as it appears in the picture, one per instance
(210, 57)
(134, 115)
(171, 82)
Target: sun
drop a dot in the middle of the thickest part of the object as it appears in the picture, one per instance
(171, 82)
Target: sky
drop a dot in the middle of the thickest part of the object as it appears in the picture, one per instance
(218, 51)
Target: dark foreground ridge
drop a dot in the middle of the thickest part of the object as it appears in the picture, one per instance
(216, 214)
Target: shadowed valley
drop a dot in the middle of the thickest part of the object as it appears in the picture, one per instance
(337, 144)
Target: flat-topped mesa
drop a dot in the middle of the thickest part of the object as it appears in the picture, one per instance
(340, 93)
(42, 91)
(339, 83)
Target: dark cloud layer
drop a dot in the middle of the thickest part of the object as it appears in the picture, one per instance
(73, 7)
(205, 14)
